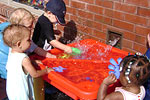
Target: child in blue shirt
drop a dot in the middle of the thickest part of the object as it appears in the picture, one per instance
(147, 85)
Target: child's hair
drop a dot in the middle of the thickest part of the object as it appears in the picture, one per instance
(14, 33)
(136, 68)
(19, 15)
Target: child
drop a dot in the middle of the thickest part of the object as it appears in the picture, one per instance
(23, 17)
(134, 72)
(147, 84)
(43, 35)
(19, 67)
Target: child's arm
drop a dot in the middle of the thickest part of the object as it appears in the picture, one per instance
(61, 46)
(42, 52)
(102, 92)
(28, 67)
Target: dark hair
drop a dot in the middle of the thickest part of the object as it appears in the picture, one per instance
(136, 68)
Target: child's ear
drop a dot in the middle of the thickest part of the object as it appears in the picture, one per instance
(48, 12)
(18, 44)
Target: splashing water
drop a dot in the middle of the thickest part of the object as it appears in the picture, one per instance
(93, 51)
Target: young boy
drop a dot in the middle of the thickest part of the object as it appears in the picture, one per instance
(43, 35)
(19, 67)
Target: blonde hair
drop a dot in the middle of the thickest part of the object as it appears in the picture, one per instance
(20, 15)
(14, 33)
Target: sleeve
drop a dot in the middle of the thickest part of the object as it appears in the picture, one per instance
(36, 33)
(148, 53)
(32, 48)
(47, 28)
(3, 26)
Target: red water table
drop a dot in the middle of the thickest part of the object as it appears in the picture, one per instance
(82, 74)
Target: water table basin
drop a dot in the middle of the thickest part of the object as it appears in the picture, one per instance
(82, 74)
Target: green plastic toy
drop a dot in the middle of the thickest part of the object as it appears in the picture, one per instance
(76, 51)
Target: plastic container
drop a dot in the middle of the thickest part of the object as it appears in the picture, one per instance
(82, 77)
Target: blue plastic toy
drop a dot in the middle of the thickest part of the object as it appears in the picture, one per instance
(88, 78)
(59, 69)
(114, 66)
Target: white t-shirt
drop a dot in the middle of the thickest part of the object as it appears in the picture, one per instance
(19, 86)
(131, 96)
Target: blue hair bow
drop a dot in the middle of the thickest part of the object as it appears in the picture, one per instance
(115, 67)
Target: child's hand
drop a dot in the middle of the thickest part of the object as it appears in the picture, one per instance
(110, 79)
(49, 69)
(50, 55)
(68, 49)
(38, 61)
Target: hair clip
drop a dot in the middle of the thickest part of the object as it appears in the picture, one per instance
(128, 79)
(138, 53)
(120, 69)
(127, 72)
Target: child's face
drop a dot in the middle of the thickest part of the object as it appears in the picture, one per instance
(52, 18)
(29, 24)
(26, 42)
(122, 79)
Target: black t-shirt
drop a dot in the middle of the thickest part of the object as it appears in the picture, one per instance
(43, 31)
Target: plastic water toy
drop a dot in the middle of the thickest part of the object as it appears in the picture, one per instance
(88, 78)
(64, 56)
(76, 51)
(115, 67)
(59, 69)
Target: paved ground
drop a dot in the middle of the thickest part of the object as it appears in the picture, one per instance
(55, 96)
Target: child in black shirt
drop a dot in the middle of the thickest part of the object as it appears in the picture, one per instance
(43, 35)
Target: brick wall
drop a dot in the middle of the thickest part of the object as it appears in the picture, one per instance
(5, 11)
(93, 19)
